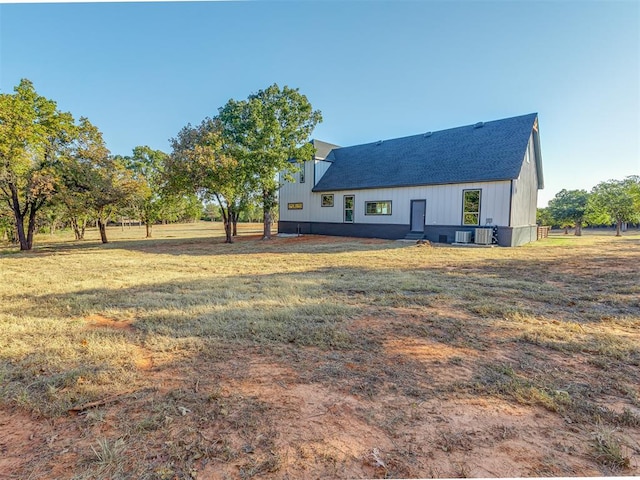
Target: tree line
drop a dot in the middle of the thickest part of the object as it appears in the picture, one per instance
(53, 167)
(612, 202)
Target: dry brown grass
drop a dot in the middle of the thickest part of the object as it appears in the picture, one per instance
(186, 357)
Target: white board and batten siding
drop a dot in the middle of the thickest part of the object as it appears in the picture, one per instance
(443, 203)
(320, 167)
(525, 190)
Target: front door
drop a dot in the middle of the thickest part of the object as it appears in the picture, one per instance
(418, 212)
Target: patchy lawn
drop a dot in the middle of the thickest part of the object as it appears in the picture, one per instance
(307, 357)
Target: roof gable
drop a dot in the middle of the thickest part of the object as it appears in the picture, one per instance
(323, 148)
(491, 151)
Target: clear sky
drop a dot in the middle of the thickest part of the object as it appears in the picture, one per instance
(376, 69)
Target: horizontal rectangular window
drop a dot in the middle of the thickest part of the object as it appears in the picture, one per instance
(327, 200)
(378, 208)
(294, 206)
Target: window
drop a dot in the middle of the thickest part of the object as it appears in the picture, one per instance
(378, 208)
(471, 207)
(294, 206)
(327, 200)
(349, 201)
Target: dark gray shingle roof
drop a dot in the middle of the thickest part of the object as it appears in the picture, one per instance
(494, 151)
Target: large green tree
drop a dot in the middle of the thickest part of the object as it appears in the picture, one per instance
(569, 208)
(267, 131)
(201, 163)
(33, 136)
(113, 188)
(94, 183)
(543, 217)
(616, 201)
(78, 176)
(152, 200)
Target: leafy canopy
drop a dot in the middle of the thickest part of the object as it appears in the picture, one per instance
(569, 207)
(616, 201)
(34, 136)
(268, 130)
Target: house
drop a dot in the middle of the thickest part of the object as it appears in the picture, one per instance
(433, 185)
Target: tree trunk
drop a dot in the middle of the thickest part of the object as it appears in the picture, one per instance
(228, 231)
(235, 224)
(31, 229)
(19, 219)
(79, 227)
(103, 230)
(618, 228)
(267, 206)
(578, 229)
(149, 226)
(77, 231)
(566, 230)
(227, 216)
(22, 238)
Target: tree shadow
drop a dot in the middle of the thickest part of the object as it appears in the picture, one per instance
(244, 244)
(385, 339)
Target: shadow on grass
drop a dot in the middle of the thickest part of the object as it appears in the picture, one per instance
(244, 244)
(330, 328)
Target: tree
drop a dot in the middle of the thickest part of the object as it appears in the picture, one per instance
(78, 176)
(7, 224)
(616, 201)
(201, 163)
(267, 131)
(187, 208)
(113, 187)
(151, 200)
(53, 216)
(212, 212)
(568, 208)
(33, 136)
(543, 217)
(93, 182)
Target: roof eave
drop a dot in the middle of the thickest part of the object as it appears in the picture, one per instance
(407, 185)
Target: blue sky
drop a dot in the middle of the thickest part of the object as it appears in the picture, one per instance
(376, 69)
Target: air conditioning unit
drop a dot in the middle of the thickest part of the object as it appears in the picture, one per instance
(483, 236)
(463, 237)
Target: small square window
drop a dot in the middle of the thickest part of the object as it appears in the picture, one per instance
(327, 200)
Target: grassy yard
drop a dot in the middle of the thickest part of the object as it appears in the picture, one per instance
(305, 357)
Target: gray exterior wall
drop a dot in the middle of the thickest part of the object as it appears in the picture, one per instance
(522, 235)
(361, 230)
(507, 236)
(524, 190)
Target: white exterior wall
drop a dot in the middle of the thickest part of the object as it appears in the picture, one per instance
(320, 168)
(444, 202)
(525, 190)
